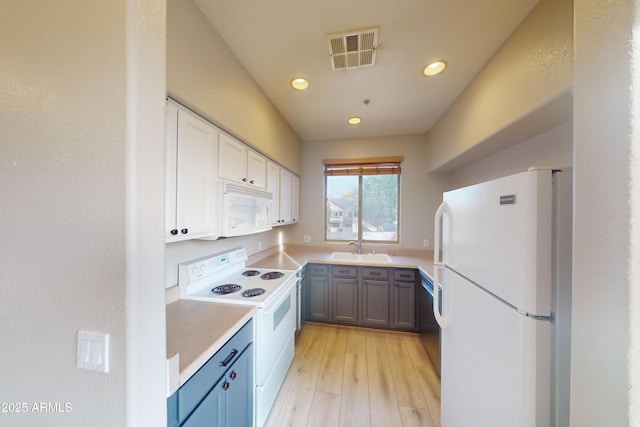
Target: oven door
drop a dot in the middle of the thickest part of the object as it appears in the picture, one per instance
(275, 348)
(277, 323)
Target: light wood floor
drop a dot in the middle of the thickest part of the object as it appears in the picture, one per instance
(351, 377)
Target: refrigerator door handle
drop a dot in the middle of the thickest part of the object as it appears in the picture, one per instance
(438, 265)
(442, 209)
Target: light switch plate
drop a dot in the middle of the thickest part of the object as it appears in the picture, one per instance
(307, 238)
(93, 351)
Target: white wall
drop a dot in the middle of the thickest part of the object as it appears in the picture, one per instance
(605, 336)
(421, 193)
(82, 92)
(522, 91)
(551, 148)
(204, 75)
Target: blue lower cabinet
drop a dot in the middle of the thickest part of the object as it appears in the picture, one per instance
(239, 394)
(221, 392)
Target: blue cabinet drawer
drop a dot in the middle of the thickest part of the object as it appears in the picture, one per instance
(196, 388)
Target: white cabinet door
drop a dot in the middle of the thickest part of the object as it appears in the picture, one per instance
(232, 160)
(286, 182)
(295, 199)
(273, 187)
(171, 163)
(256, 170)
(190, 183)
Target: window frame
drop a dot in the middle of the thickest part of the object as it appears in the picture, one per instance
(360, 168)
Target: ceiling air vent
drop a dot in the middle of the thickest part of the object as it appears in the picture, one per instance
(353, 49)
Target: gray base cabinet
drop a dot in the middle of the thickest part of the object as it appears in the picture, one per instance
(317, 292)
(379, 297)
(375, 303)
(403, 299)
(345, 300)
(344, 294)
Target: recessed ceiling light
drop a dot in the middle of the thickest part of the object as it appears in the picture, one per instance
(299, 83)
(354, 120)
(434, 68)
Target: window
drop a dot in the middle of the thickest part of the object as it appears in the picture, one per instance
(362, 199)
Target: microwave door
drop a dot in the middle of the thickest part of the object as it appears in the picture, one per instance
(238, 210)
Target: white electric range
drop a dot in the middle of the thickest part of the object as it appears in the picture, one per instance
(224, 278)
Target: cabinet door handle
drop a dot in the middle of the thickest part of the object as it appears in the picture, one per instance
(229, 358)
(225, 385)
(233, 375)
(184, 230)
(244, 179)
(375, 273)
(251, 182)
(405, 275)
(174, 231)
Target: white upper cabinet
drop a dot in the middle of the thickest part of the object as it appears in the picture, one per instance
(256, 170)
(295, 199)
(232, 160)
(238, 163)
(273, 187)
(286, 182)
(285, 198)
(191, 161)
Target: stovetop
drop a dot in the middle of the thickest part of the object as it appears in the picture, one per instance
(197, 278)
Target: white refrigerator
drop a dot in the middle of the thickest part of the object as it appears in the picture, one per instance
(503, 301)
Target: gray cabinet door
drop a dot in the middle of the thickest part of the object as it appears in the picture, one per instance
(318, 306)
(404, 305)
(345, 300)
(375, 302)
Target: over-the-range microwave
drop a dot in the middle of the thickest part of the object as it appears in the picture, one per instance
(242, 210)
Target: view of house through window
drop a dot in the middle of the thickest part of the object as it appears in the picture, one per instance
(362, 199)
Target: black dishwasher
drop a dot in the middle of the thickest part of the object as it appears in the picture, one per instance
(429, 328)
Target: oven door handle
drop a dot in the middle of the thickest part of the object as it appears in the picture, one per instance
(280, 298)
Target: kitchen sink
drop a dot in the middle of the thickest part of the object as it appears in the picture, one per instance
(361, 258)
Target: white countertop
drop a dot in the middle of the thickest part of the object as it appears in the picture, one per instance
(295, 256)
(197, 330)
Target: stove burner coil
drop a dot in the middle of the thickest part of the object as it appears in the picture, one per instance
(226, 289)
(250, 273)
(271, 275)
(253, 292)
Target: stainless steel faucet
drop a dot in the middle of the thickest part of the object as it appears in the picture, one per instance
(357, 244)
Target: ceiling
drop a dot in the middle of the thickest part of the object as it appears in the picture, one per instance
(278, 40)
